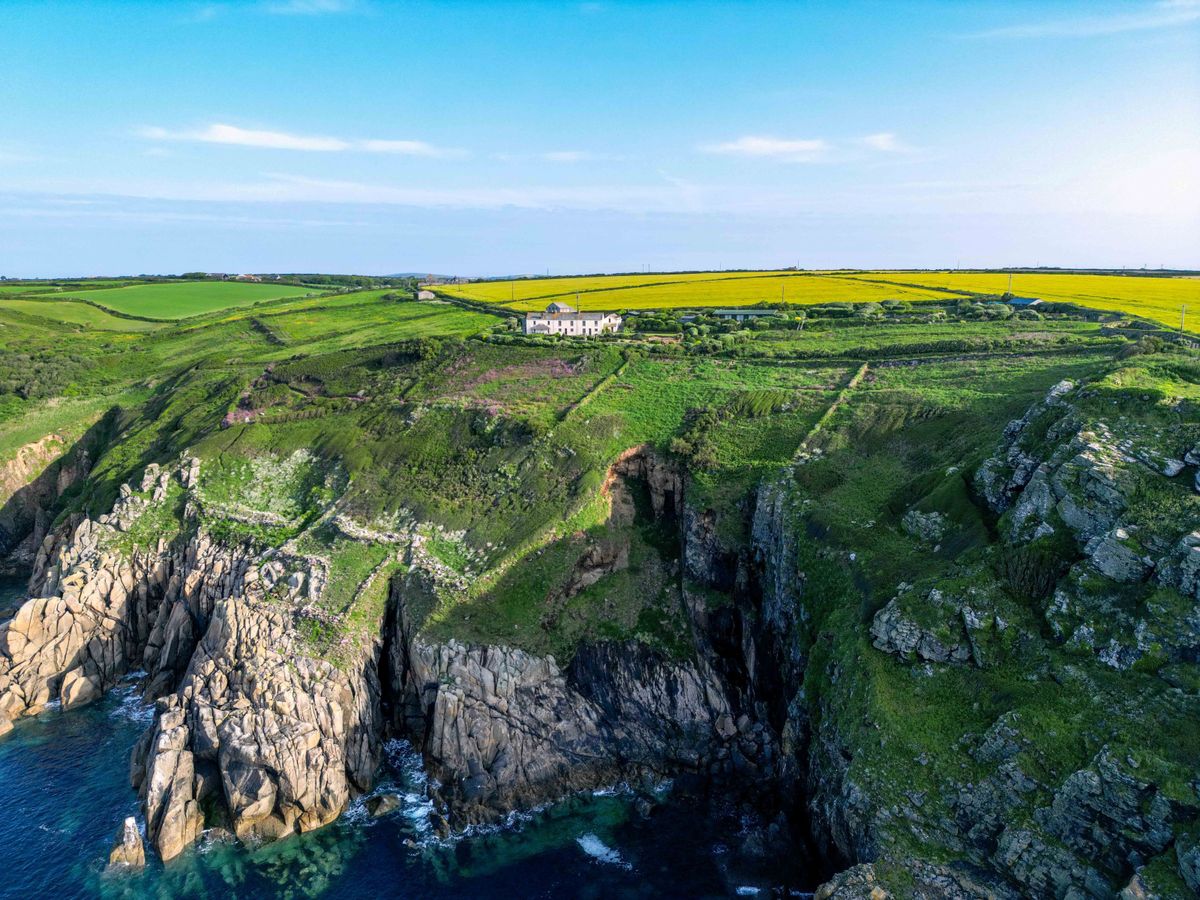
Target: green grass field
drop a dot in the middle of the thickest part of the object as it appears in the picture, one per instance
(1157, 298)
(74, 312)
(190, 298)
(11, 290)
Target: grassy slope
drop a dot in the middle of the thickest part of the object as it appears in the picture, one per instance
(480, 439)
(75, 313)
(183, 299)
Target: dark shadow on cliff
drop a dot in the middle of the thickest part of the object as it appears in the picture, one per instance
(28, 514)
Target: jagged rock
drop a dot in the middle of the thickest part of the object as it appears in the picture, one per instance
(282, 740)
(1045, 869)
(382, 804)
(1112, 555)
(127, 851)
(1092, 477)
(173, 816)
(33, 477)
(503, 729)
(1136, 890)
(1001, 477)
(1182, 569)
(1109, 815)
(96, 614)
(920, 881)
(288, 738)
(893, 630)
(1187, 851)
(929, 527)
(856, 883)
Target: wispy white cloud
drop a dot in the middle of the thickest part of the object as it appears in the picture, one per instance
(308, 7)
(220, 133)
(408, 148)
(785, 149)
(1144, 17)
(885, 142)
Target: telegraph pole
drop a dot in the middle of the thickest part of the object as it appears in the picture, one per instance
(1182, 318)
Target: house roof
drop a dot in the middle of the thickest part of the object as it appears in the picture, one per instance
(1024, 301)
(741, 311)
(590, 317)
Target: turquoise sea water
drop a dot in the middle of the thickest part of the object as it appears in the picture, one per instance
(64, 790)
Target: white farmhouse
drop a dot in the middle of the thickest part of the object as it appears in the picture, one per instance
(558, 318)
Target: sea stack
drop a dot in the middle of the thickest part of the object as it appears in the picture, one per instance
(128, 852)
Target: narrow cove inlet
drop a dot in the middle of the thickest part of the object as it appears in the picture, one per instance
(64, 790)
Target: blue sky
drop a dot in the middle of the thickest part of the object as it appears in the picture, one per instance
(493, 138)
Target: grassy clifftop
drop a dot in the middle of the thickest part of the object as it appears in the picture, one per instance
(547, 486)
(496, 454)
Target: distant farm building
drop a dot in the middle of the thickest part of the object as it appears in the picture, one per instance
(1024, 301)
(426, 295)
(741, 314)
(247, 278)
(559, 318)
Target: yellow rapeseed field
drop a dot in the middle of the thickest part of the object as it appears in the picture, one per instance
(521, 289)
(1157, 298)
(674, 291)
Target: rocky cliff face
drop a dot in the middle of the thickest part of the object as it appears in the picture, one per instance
(252, 729)
(30, 482)
(281, 740)
(1119, 494)
(502, 729)
(257, 732)
(1096, 520)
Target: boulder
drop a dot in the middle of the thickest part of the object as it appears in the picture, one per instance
(382, 804)
(1113, 555)
(128, 851)
(900, 628)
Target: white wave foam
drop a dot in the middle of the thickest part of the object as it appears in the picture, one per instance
(132, 706)
(600, 851)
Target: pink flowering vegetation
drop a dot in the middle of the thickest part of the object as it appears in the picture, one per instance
(539, 389)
